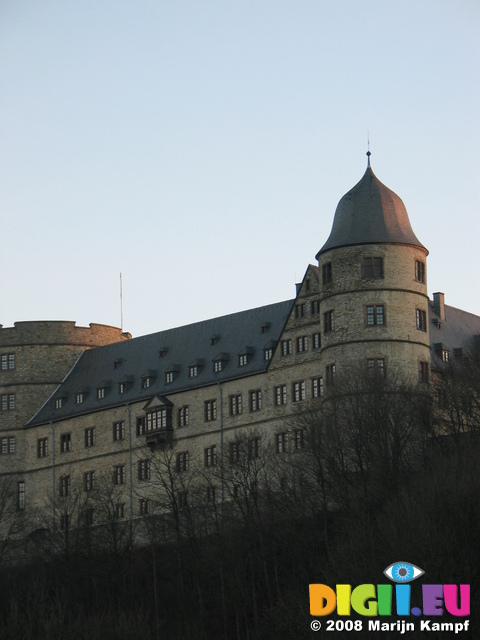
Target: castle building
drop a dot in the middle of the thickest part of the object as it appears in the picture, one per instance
(79, 404)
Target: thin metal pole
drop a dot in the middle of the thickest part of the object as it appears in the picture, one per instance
(130, 463)
(53, 477)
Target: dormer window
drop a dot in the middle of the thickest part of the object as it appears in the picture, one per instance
(267, 354)
(124, 384)
(214, 340)
(442, 351)
(79, 397)
(117, 363)
(265, 327)
(58, 403)
(148, 379)
(169, 377)
(162, 352)
(195, 368)
(245, 356)
(100, 393)
(219, 362)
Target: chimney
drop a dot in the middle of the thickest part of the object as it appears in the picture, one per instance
(439, 305)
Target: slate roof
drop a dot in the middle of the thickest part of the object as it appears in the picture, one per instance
(197, 344)
(370, 213)
(455, 333)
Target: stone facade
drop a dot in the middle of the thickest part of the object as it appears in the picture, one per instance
(364, 306)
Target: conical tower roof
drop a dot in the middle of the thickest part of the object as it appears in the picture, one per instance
(370, 213)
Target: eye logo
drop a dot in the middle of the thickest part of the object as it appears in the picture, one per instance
(403, 572)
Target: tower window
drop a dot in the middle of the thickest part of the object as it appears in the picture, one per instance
(328, 321)
(420, 271)
(326, 273)
(421, 317)
(424, 372)
(375, 315)
(373, 267)
(376, 367)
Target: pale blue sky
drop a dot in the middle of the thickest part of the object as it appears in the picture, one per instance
(200, 148)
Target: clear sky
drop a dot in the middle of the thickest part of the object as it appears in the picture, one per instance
(201, 147)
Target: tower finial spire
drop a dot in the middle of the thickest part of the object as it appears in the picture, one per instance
(368, 146)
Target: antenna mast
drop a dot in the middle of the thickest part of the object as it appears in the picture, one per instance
(121, 303)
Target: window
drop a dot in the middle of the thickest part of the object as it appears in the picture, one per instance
(326, 273)
(162, 352)
(79, 397)
(217, 365)
(193, 371)
(65, 442)
(255, 400)
(117, 363)
(375, 315)
(299, 311)
(183, 416)
(445, 355)
(64, 521)
(210, 409)
(299, 439)
(254, 448)
(88, 517)
(316, 341)
(143, 468)
(119, 474)
(120, 510)
(100, 393)
(7, 361)
(182, 461)
(234, 452)
(21, 495)
(420, 271)
(302, 344)
(299, 391)
(315, 307)
(146, 383)
(182, 499)
(42, 447)
(424, 372)
(64, 486)
(8, 402)
(421, 319)
(7, 445)
(286, 346)
(235, 404)
(157, 419)
(328, 321)
(376, 367)
(281, 442)
(58, 403)
(211, 494)
(88, 480)
(169, 377)
(373, 267)
(141, 428)
(330, 374)
(317, 387)
(281, 395)
(210, 456)
(143, 507)
(243, 360)
(89, 437)
(118, 431)
(267, 354)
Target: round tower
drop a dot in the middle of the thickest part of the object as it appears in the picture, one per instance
(373, 287)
